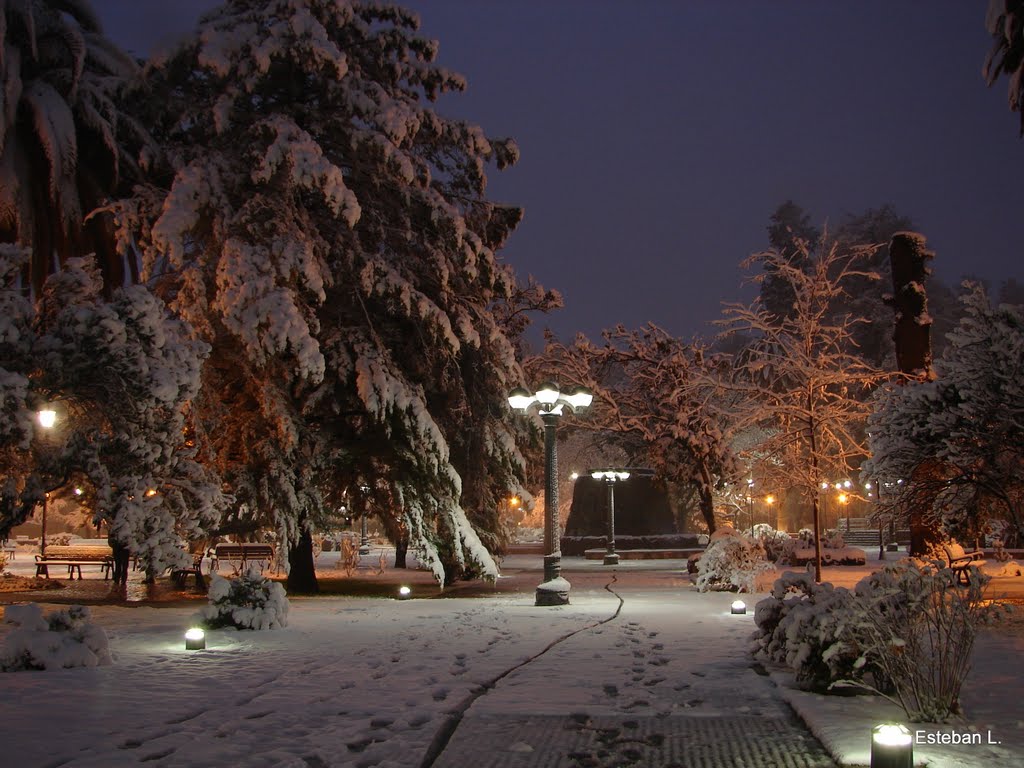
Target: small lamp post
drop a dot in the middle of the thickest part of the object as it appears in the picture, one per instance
(610, 477)
(364, 540)
(550, 403)
(47, 418)
(750, 504)
(770, 500)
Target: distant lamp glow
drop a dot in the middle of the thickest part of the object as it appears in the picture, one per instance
(195, 639)
(769, 499)
(843, 498)
(47, 418)
(404, 592)
(574, 476)
(151, 492)
(892, 746)
(738, 608)
(78, 491)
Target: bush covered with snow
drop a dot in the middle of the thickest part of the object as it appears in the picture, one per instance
(732, 562)
(801, 626)
(63, 639)
(251, 601)
(905, 632)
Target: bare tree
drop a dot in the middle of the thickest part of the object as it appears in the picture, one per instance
(660, 397)
(801, 384)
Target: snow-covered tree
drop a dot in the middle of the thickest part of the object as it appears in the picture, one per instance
(1005, 22)
(62, 134)
(953, 446)
(802, 387)
(120, 375)
(327, 232)
(659, 393)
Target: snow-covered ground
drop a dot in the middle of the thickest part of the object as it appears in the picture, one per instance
(373, 681)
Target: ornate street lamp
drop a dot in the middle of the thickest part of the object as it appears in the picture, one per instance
(47, 418)
(610, 477)
(550, 403)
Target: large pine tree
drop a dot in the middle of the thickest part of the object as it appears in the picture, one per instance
(328, 233)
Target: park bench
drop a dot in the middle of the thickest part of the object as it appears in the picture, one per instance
(73, 558)
(960, 562)
(180, 575)
(243, 554)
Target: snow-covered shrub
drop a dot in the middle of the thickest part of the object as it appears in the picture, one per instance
(778, 545)
(905, 632)
(63, 639)
(250, 601)
(917, 626)
(732, 562)
(801, 625)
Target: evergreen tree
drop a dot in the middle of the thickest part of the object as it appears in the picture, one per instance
(120, 375)
(63, 137)
(953, 445)
(791, 235)
(1005, 22)
(327, 232)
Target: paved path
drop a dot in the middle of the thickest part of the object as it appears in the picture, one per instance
(664, 681)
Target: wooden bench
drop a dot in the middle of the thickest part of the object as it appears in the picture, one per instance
(74, 565)
(243, 554)
(180, 575)
(960, 562)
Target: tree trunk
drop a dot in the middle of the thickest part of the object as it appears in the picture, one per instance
(707, 506)
(912, 336)
(401, 550)
(301, 571)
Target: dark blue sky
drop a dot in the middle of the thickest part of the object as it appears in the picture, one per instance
(658, 137)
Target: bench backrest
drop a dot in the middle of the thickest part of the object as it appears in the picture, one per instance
(243, 550)
(70, 552)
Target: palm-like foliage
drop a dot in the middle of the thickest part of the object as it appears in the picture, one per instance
(61, 133)
(1005, 22)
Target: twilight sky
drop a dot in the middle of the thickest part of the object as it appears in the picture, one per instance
(657, 137)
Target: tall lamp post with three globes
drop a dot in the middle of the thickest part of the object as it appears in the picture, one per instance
(550, 404)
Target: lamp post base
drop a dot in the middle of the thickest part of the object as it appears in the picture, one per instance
(550, 597)
(611, 558)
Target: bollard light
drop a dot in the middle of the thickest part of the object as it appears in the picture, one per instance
(195, 639)
(738, 607)
(404, 592)
(892, 746)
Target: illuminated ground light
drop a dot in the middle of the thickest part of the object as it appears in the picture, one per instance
(195, 639)
(891, 746)
(738, 607)
(404, 592)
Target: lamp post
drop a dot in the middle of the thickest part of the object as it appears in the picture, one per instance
(610, 477)
(769, 500)
(550, 404)
(47, 418)
(750, 505)
(364, 540)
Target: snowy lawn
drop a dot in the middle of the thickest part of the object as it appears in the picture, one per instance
(363, 682)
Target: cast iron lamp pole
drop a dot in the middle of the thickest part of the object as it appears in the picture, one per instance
(610, 477)
(47, 417)
(550, 403)
(364, 540)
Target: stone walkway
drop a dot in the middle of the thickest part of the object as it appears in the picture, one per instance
(496, 741)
